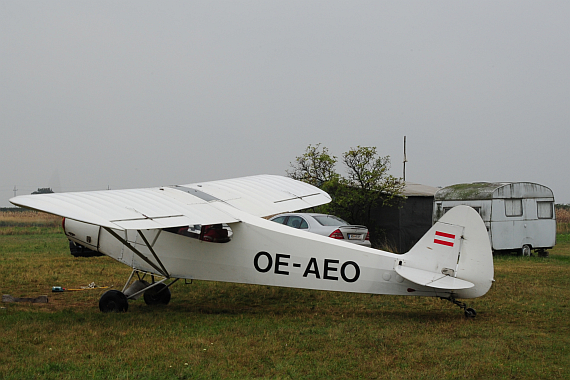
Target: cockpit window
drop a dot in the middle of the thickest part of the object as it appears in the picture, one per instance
(215, 233)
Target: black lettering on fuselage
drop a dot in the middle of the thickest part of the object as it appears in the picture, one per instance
(312, 268)
(279, 263)
(269, 262)
(349, 271)
(329, 269)
(356, 271)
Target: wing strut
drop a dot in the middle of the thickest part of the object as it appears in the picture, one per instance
(153, 253)
(160, 270)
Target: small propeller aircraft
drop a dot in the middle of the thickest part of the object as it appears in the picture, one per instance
(216, 231)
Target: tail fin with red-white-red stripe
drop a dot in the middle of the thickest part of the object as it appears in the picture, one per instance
(455, 255)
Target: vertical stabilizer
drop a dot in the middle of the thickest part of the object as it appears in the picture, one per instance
(456, 251)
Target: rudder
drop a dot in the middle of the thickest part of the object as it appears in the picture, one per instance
(455, 254)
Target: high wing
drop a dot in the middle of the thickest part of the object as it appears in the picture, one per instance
(172, 206)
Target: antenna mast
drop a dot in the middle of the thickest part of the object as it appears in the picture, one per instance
(405, 159)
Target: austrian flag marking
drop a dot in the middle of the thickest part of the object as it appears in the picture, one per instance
(444, 238)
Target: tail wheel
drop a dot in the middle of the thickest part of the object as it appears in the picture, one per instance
(470, 313)
(113, 301)
(157, 295)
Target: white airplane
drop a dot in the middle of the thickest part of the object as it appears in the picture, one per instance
(216, 231)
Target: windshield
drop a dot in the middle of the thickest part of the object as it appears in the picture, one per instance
(329, 220)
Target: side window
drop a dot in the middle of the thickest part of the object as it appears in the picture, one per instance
(297, 222)
(216, 233)
(544, 210)
(279, 220)
(513, 207)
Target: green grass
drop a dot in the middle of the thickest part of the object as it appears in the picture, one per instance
(215, 330)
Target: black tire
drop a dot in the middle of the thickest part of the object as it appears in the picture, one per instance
(157, 295)
(73, 249)
(113, 301)
(77, 250)
(470, 313)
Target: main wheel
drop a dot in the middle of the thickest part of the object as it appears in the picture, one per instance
(113, 301)
(157, 295)
(526, 250)
(470, 313)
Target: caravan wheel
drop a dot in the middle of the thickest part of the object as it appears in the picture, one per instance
(526, 251)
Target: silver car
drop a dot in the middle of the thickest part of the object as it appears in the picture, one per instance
(327, 225)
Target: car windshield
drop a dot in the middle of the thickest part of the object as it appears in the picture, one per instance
(329, 220)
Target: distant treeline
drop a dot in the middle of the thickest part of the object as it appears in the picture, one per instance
(15, 209)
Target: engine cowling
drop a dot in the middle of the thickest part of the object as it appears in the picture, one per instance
(82, 233)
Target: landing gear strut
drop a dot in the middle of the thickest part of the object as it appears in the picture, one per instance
(154, 293)
(469, 312)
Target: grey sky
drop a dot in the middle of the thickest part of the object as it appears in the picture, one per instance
(140, 94)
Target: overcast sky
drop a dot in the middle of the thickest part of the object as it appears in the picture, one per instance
(127, 94)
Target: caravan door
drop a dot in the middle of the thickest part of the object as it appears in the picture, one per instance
(508, 229)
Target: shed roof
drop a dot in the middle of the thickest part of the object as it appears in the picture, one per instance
(490, 190)
(418, 190)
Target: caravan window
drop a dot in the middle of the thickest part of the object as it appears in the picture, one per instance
(544, 210)
(513, 207)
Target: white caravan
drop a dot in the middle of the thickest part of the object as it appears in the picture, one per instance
(519, 216)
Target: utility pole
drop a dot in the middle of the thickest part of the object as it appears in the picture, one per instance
(405, 159)
(15, 190)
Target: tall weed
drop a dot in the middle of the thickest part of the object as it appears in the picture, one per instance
(562, 220)
(28, 219)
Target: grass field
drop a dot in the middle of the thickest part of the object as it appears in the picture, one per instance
(214, 330)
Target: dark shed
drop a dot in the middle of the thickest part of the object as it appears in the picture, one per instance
(403, 226)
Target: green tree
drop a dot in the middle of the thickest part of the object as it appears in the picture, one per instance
(315, 166)
(366, 185)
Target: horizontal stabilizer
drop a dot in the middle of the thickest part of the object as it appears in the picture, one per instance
(432, 279)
